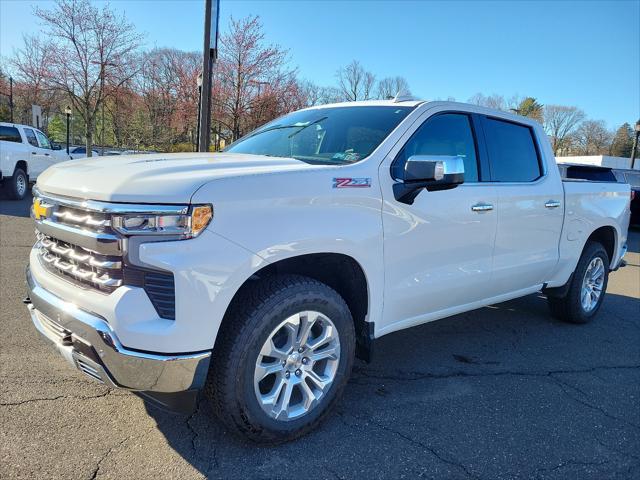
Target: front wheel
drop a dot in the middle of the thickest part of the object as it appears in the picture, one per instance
(587, 288)
(283, 357)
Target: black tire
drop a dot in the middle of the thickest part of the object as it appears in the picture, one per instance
(18, 184)
(569, 307)
(247, 326)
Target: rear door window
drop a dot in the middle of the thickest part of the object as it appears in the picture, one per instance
(513, 155)
(31, 137)
(10, 134)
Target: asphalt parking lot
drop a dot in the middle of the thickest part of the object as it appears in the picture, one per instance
(501, 392)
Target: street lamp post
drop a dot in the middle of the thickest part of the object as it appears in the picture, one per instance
(634, 149)
(68, 112)
(199, 107)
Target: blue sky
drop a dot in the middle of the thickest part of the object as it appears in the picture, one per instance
(583, 53)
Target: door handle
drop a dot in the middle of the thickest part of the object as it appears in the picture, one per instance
(47, 154)
(482, 207)
(552, 204)
(34, 153)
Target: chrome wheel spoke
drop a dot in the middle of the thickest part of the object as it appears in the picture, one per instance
(306, 322)
(332, 352)
(270, 350)
(264, 370)
(309, 397)
(271, 398)
(281, 408)
(319, 381)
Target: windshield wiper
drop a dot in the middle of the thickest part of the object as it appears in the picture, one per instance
(306, 126)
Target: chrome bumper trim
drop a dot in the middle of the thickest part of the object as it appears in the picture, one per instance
(96, 350)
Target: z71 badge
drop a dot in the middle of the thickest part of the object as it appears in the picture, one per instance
(351, 182)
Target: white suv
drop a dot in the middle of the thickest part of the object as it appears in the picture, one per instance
(25, 152)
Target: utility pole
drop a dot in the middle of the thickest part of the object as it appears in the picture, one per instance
(634, 149)
(210, 53)
(11, 97)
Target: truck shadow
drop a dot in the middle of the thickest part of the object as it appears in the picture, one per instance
(15, 208)
(431, 393)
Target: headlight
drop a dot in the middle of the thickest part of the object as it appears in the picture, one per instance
(187, 225)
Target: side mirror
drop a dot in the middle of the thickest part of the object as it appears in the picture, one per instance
(56, 146)
(433, 172)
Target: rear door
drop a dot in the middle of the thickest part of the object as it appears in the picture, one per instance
(530, 206)
(37, 159)
(47, 150)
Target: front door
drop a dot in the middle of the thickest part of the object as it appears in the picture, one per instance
(438, 251)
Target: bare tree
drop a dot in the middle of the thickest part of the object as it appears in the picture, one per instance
(355, 82)
(389, 87)
(91, 50)
(560, 122)
(492, 101)
(30, 67)
(249, 71)
(593, 138)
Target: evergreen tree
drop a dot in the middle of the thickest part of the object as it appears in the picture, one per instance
(622, 141)
(529, 107)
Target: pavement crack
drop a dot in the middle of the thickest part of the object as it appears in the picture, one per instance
(433, 451)
(565, 389)
(96, 470)
(410, 376)
(53, 399)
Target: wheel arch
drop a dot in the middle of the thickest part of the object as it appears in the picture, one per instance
(339, 271)
(607, 236)
(23, 165)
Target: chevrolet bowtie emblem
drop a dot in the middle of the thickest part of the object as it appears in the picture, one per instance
(40, 210)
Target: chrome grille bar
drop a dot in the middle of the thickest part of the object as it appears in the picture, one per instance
(76, 255)
(68, 216)
(78, 272)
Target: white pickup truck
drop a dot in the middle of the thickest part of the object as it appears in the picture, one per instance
(256, 275)
(25, 152)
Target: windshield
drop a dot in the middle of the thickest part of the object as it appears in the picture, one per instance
(334, 135)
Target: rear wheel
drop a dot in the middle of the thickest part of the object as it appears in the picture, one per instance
(282, 359)
(587, 287)
(18, 184)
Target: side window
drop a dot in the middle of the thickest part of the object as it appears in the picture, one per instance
(10, 134)
(447, 134)
(31, 137)
(43, 140)
(512, 151)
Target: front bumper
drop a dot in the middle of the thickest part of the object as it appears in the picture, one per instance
(87, 341)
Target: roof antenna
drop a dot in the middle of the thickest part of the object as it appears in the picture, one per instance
(403, 96)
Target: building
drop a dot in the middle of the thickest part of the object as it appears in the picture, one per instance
(601, 160)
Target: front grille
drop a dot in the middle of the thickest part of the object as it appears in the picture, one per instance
(102, 272)
(80, 245)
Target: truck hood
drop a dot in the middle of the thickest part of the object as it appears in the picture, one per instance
(154, 178)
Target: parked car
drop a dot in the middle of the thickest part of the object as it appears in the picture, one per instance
(257, 275)
(81, 152)
(632, 177)
(25, 152)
